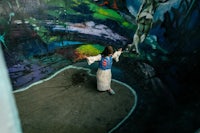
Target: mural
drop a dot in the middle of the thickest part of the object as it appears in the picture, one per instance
(40, 37)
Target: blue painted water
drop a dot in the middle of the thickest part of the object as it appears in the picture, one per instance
(54, 45)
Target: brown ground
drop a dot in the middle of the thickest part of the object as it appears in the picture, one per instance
(70, 103)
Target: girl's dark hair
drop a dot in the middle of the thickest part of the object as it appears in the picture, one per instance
(108, 50)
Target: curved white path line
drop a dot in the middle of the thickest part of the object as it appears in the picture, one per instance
(198, 131)
(89, 72)
(132, 109)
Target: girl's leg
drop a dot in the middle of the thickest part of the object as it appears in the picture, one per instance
(111, 91)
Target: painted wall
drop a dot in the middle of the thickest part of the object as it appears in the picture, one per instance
(39, 37)
(36, 34)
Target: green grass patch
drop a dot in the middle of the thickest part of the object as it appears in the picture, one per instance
(89, 49)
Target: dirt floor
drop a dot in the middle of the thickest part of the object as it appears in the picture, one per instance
(70, 103)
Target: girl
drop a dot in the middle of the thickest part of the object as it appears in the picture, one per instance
(104, 70)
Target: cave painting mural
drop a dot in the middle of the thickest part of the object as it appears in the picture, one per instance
(144, 20)
(44, 43)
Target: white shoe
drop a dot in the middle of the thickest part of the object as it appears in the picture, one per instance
(111, 91)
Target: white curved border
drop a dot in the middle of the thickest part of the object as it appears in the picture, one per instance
(89, 72)
(132, 109)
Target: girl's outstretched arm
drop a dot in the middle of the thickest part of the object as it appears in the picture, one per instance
(116, 55)
(92, 59)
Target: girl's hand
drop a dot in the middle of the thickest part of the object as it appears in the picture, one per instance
(84, 57)
(120, 49)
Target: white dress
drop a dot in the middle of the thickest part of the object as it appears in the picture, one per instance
(103, 76)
